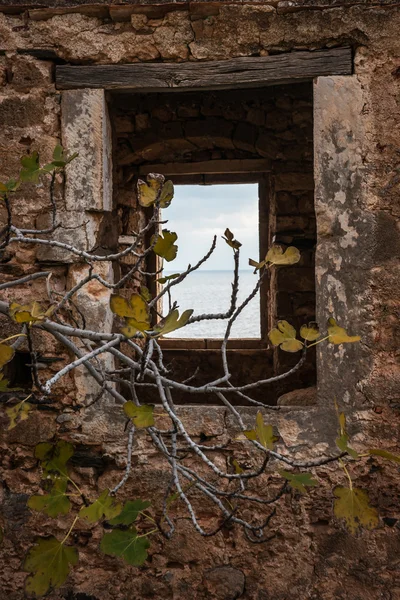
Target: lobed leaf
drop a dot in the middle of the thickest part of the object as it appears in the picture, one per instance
(276, 256)
(127, 545)
(17, 413)
(30, 168)
(49, 562)
(299, 481)
(54, 503)
(130, 512)
(384, 454)
(104, 507)
(352, 505)
(263, 433)
(165, 246)
(155, 189)
(172, 322)
(54, 457)
(284, 335)
(310, 332)
(6, 354)
(338, 335)
(142, 416)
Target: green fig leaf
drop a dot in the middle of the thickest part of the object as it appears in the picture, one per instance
(104, 507)
(127, 545)
(17, 413)
(163, 280)
(54, 457)
(130, 512)
(30, 168)
(299, 481)
(55, 503)
(384, 454)
(49, 562)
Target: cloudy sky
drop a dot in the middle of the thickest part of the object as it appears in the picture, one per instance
(198, 212)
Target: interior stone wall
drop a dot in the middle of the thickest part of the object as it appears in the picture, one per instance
(310, 556)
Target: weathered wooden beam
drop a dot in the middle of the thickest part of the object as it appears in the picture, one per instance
(250, 165)
(237, 73)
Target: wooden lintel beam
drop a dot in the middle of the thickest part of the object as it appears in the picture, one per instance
(213, 167)
(236, 73)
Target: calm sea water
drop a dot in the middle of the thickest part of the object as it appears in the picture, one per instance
(210, 292)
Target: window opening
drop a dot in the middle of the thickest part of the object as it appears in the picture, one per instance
(18, 371)
(196, 214)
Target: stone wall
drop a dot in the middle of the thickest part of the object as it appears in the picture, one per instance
(310, 556)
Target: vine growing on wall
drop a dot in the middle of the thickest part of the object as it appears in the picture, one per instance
(135, 361)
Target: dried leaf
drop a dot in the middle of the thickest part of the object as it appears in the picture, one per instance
(338, 335)
(230, 240)
(310, 332)
(172, 322)
(130, 512)
(165, 246)
(127, 545)
(54, 503)
(49, 562)
(276, 256)
(142, 416)
(299, 481)
(104, 507)
(352, 505)
(285, 337)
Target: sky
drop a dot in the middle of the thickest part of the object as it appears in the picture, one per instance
(197, 212)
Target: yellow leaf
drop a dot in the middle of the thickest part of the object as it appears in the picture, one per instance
(172, 322)
(148, 192)
(352, 505)
(276, 256)
(167, 193)
(265, 433)
(135, 311)
(285, 337)
(250, 434)
(256, 265)
(17, 413)
(230, 240)
(27, 313)
(309, 332)
(6, 354)
(384, 454)
(338, 335)
(142, 416)
(165, 246)
(237, 467)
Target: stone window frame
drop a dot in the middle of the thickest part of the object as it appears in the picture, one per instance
(344, 218)
(263, 182)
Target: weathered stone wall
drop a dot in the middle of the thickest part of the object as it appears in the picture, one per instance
(310, 556)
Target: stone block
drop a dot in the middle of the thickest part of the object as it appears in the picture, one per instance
(21, 111)
(245, 137)
(290, 182)
(85, 129)
(26, 73)
(302, 397)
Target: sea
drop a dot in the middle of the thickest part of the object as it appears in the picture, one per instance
(210, 292)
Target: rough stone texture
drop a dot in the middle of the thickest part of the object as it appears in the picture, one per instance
(311, 556)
